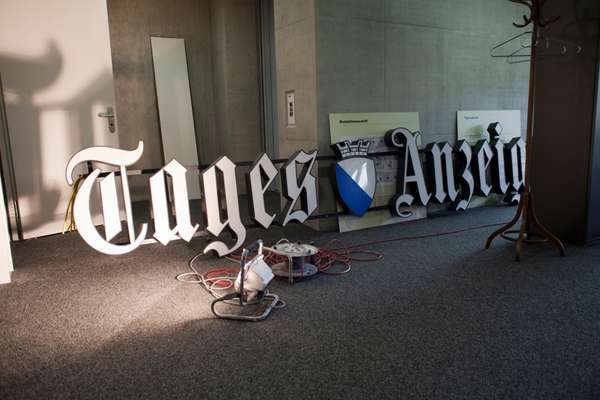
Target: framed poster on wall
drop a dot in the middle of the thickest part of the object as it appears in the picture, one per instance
(472, 125)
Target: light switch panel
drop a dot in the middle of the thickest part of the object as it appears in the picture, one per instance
(290, 107)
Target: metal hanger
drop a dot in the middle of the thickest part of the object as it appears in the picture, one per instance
(498, 51)
(549, 46)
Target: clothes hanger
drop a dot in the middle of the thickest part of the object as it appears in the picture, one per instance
(499, 50)
(547, 46)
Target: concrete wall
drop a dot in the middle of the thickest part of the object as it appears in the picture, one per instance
(295, 54)
(131, 25)
(236, 78)
(222, 52)
(430, 56)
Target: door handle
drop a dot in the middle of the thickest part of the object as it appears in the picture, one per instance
(110, 118)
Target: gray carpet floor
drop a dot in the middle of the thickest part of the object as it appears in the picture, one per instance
(436, 318)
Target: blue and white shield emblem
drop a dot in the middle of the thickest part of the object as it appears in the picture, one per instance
(355, 175)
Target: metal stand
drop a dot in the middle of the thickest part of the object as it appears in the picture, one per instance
(526, 209)
(270, 301)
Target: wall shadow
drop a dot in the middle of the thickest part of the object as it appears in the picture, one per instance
(42, 193)
(23, 77)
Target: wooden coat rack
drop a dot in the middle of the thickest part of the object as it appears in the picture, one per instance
(526, 209)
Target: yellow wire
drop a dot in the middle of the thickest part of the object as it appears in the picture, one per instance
(69, 214)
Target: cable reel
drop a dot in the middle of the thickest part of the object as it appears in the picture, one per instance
(300, 261)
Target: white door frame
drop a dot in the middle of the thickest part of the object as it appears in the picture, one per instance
(56, 67)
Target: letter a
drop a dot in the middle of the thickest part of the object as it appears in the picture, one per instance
(410, 171)
(215, 222)
(162, 231)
